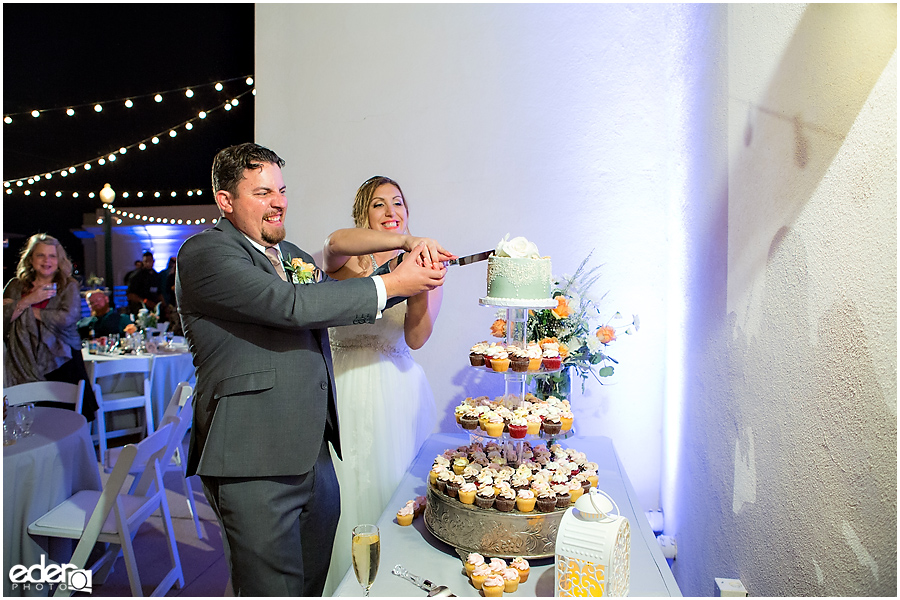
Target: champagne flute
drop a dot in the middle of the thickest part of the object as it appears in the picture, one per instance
(366, 550)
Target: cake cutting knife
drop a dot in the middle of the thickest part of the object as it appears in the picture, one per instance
(422, 583)
(468, 260)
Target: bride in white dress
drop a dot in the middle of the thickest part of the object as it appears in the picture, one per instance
(385, 406)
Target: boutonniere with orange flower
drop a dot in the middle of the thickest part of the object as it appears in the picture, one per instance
(301, 272)
(575, 325)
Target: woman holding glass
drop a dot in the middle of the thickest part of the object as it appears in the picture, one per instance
(385, 405)
(41, 305)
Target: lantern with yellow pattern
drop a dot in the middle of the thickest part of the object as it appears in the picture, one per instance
(593, 549)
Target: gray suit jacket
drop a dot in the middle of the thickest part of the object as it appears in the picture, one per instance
(265, 385)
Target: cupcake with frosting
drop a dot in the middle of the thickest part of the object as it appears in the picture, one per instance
(511, 579)
(534, 354)
(477, 352)
(518, 428)
(467, 493)
(484, 498)
(505, 500)
(521, 565)
(499, 360)
(473, 560)
(550, 357)
(405, 514)
(479, 574)
(493, 586)
(518, 359)
(525, 500)
(494, 425)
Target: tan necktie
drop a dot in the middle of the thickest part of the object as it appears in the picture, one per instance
(272, 255)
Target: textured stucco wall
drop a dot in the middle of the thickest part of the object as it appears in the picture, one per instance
(788, 475)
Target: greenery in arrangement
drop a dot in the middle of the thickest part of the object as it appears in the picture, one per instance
(576, 325)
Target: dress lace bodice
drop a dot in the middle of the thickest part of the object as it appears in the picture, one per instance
(386, 335)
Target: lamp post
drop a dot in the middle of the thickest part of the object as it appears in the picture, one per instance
(107, 195)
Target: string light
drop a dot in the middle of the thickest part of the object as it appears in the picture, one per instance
(141, 145)
(70, 110)
(120, 214)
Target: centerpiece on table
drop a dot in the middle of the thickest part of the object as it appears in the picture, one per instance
(576, 325)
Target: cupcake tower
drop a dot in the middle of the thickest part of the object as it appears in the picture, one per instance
(546, 480)
(507, 414)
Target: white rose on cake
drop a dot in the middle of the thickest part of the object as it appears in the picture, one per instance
(517, 247)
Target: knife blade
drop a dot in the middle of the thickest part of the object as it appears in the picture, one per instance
(468, 260)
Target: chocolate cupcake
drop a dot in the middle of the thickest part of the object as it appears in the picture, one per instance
(519, 364)
(469, 421)
(546, 503)
(563, 499)
(504, 504)
(551, 427)
(476, 359)
(485, 498)
(441, 485)
(452, 489)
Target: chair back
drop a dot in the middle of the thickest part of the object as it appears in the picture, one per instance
(105, 368)
(47, 391)
(182, 392)
(151, 452)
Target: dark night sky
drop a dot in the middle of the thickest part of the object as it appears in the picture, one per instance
(60, 55)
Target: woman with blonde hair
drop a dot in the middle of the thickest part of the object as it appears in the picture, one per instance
(41, 305)
(385, 406)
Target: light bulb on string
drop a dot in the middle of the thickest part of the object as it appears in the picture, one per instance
(129, 103)
(98, 108)
(70, 112)
(158, 97)
(189, 93)
(35, 114)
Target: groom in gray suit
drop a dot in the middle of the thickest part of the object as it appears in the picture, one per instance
(264, 407)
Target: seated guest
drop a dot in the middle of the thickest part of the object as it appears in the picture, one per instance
(103, 320)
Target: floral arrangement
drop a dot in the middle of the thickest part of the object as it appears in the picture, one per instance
(147, 318)
(301, 272)
(575, 324)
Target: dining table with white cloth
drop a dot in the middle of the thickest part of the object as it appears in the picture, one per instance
(422, 554)
(39, 472)
(167, 371)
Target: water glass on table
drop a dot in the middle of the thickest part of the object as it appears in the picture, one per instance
(25, 418)
(366, 551)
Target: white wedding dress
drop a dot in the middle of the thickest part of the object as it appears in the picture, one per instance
(386, 411)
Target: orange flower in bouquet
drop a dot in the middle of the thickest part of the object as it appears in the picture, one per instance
(606, 334)
(562, 309)
(498, 328)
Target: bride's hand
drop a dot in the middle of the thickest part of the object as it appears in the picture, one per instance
(432, 255)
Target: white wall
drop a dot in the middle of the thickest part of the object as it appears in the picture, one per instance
(734, 168)
(547, 121)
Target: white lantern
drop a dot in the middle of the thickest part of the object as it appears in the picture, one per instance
(593, 549)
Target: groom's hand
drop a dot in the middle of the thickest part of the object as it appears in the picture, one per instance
(410, 277)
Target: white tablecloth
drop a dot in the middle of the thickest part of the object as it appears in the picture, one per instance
(39, 472)
(168, 371)
(422, 554)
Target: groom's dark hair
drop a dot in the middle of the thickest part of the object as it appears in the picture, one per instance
(229, 165)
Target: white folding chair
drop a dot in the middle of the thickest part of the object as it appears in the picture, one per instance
(182, 392)
(47, 391)
(172, 459)
(129, 398)
(113, 517)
